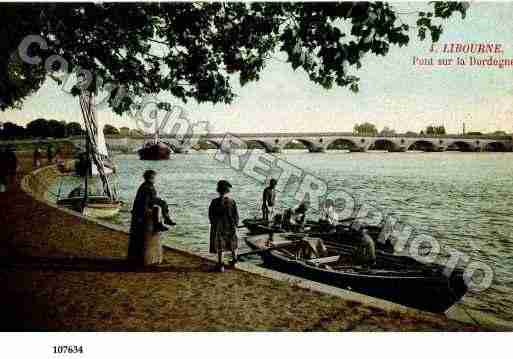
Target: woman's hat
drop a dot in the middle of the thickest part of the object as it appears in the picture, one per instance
(223, 185)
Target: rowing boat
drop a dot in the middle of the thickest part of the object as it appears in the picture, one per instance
(342, 232)
(399, 279)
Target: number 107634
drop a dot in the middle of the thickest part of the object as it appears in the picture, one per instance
(68, 349)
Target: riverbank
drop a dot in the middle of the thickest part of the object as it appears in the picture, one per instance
(65, 273)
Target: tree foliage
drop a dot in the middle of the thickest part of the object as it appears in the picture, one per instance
(74, 129)
(12, 131)
(110, 130)
(46, 128)
(435, 130)
(386, 131)
(190, 50)
(365, 129)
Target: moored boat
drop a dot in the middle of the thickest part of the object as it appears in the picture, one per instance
(156, 151)
(342, 232)
(94, 206)
(398, 279)
(260, 226)
(94, 165)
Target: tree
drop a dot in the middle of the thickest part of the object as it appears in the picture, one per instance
(499, 133)
(191, 50)
(39, 128)
(12, 131)
(387, 132)
(365, 129)
(412, 134)
(435, 130)
(430, 130)
(74, 129)
(110, 130)
(56, 129)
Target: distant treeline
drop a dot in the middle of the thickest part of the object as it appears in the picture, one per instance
(42, 128)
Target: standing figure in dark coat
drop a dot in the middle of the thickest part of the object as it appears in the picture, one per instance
(269, 200)
(224, 219)
(143, 223)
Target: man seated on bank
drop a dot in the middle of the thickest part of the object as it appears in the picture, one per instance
(294, 218)
(269, 200)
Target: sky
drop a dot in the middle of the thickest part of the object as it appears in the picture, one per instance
(393, 92)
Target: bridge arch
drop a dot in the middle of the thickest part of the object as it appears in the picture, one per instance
(463, 146)
(385, 144)
(259, 144)
(495, 146)
(308, 144)
(341, 144)
(423, 145)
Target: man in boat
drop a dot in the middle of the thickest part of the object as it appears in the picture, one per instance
(294, 218)
(269, 199)
(142, 212)
(365, 252)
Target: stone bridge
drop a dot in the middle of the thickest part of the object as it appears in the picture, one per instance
(320, 142)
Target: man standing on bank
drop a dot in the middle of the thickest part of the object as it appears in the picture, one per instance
(268, 200)
(143, 223)
(224, 219)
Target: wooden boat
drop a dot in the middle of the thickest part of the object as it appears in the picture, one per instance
(93, 165)
(342, 232)
(157, 151)
(260, 226)
(94, 206)
(398, 279)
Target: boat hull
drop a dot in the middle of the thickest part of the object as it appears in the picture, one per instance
(155, 152)
(95, 207)
(259, 226)
(433, 293)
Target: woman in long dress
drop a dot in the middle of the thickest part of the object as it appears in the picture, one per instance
(224, 219)
(144, 247)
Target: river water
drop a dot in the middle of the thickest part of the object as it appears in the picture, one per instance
(464, 200)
